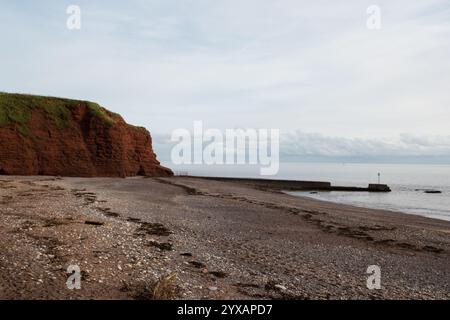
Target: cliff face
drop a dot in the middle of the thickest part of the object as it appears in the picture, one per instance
(52, 136)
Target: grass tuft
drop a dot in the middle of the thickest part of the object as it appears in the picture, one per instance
(18, 109)
(164, 288)
(100, 112)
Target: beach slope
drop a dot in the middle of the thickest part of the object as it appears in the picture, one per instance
(183, 237)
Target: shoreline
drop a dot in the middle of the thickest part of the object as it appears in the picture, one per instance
(361, 206)
(296, 185)
(218, 239)
(319, 187)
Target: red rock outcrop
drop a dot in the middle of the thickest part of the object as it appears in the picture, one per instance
(87, 146)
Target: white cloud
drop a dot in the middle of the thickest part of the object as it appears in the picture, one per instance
(301, 145)
(285, 64)
(312, 144)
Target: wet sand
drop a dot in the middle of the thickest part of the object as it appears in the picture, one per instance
(183, 237)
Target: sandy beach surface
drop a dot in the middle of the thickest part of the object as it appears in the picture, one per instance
(184, 238)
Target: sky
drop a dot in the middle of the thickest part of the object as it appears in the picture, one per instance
(312, 69)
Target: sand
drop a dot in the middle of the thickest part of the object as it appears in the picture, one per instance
(193, 238)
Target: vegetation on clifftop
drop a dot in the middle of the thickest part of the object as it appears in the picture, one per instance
(18, 109)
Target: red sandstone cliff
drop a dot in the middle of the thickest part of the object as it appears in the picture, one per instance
(88, 145)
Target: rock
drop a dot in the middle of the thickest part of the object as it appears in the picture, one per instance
(94, 223)
(186, 254)
(213, 288)
(163, 246)
(377, 187)
(429, 190)
(62, 137)
(433, 191)
(272, 285)
(218, 274)
(280, 287)
(197, 264)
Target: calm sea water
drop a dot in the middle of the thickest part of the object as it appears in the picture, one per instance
(407, 182)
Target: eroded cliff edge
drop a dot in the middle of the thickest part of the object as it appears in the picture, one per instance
(54, 136)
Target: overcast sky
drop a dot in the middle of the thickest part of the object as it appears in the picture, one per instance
(311, 68)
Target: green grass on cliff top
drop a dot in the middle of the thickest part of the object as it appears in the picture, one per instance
(18, 108)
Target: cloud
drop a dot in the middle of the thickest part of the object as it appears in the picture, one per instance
(285, 64)
(299, 143)
(299, 146)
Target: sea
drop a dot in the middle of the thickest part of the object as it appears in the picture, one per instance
(407, 181)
